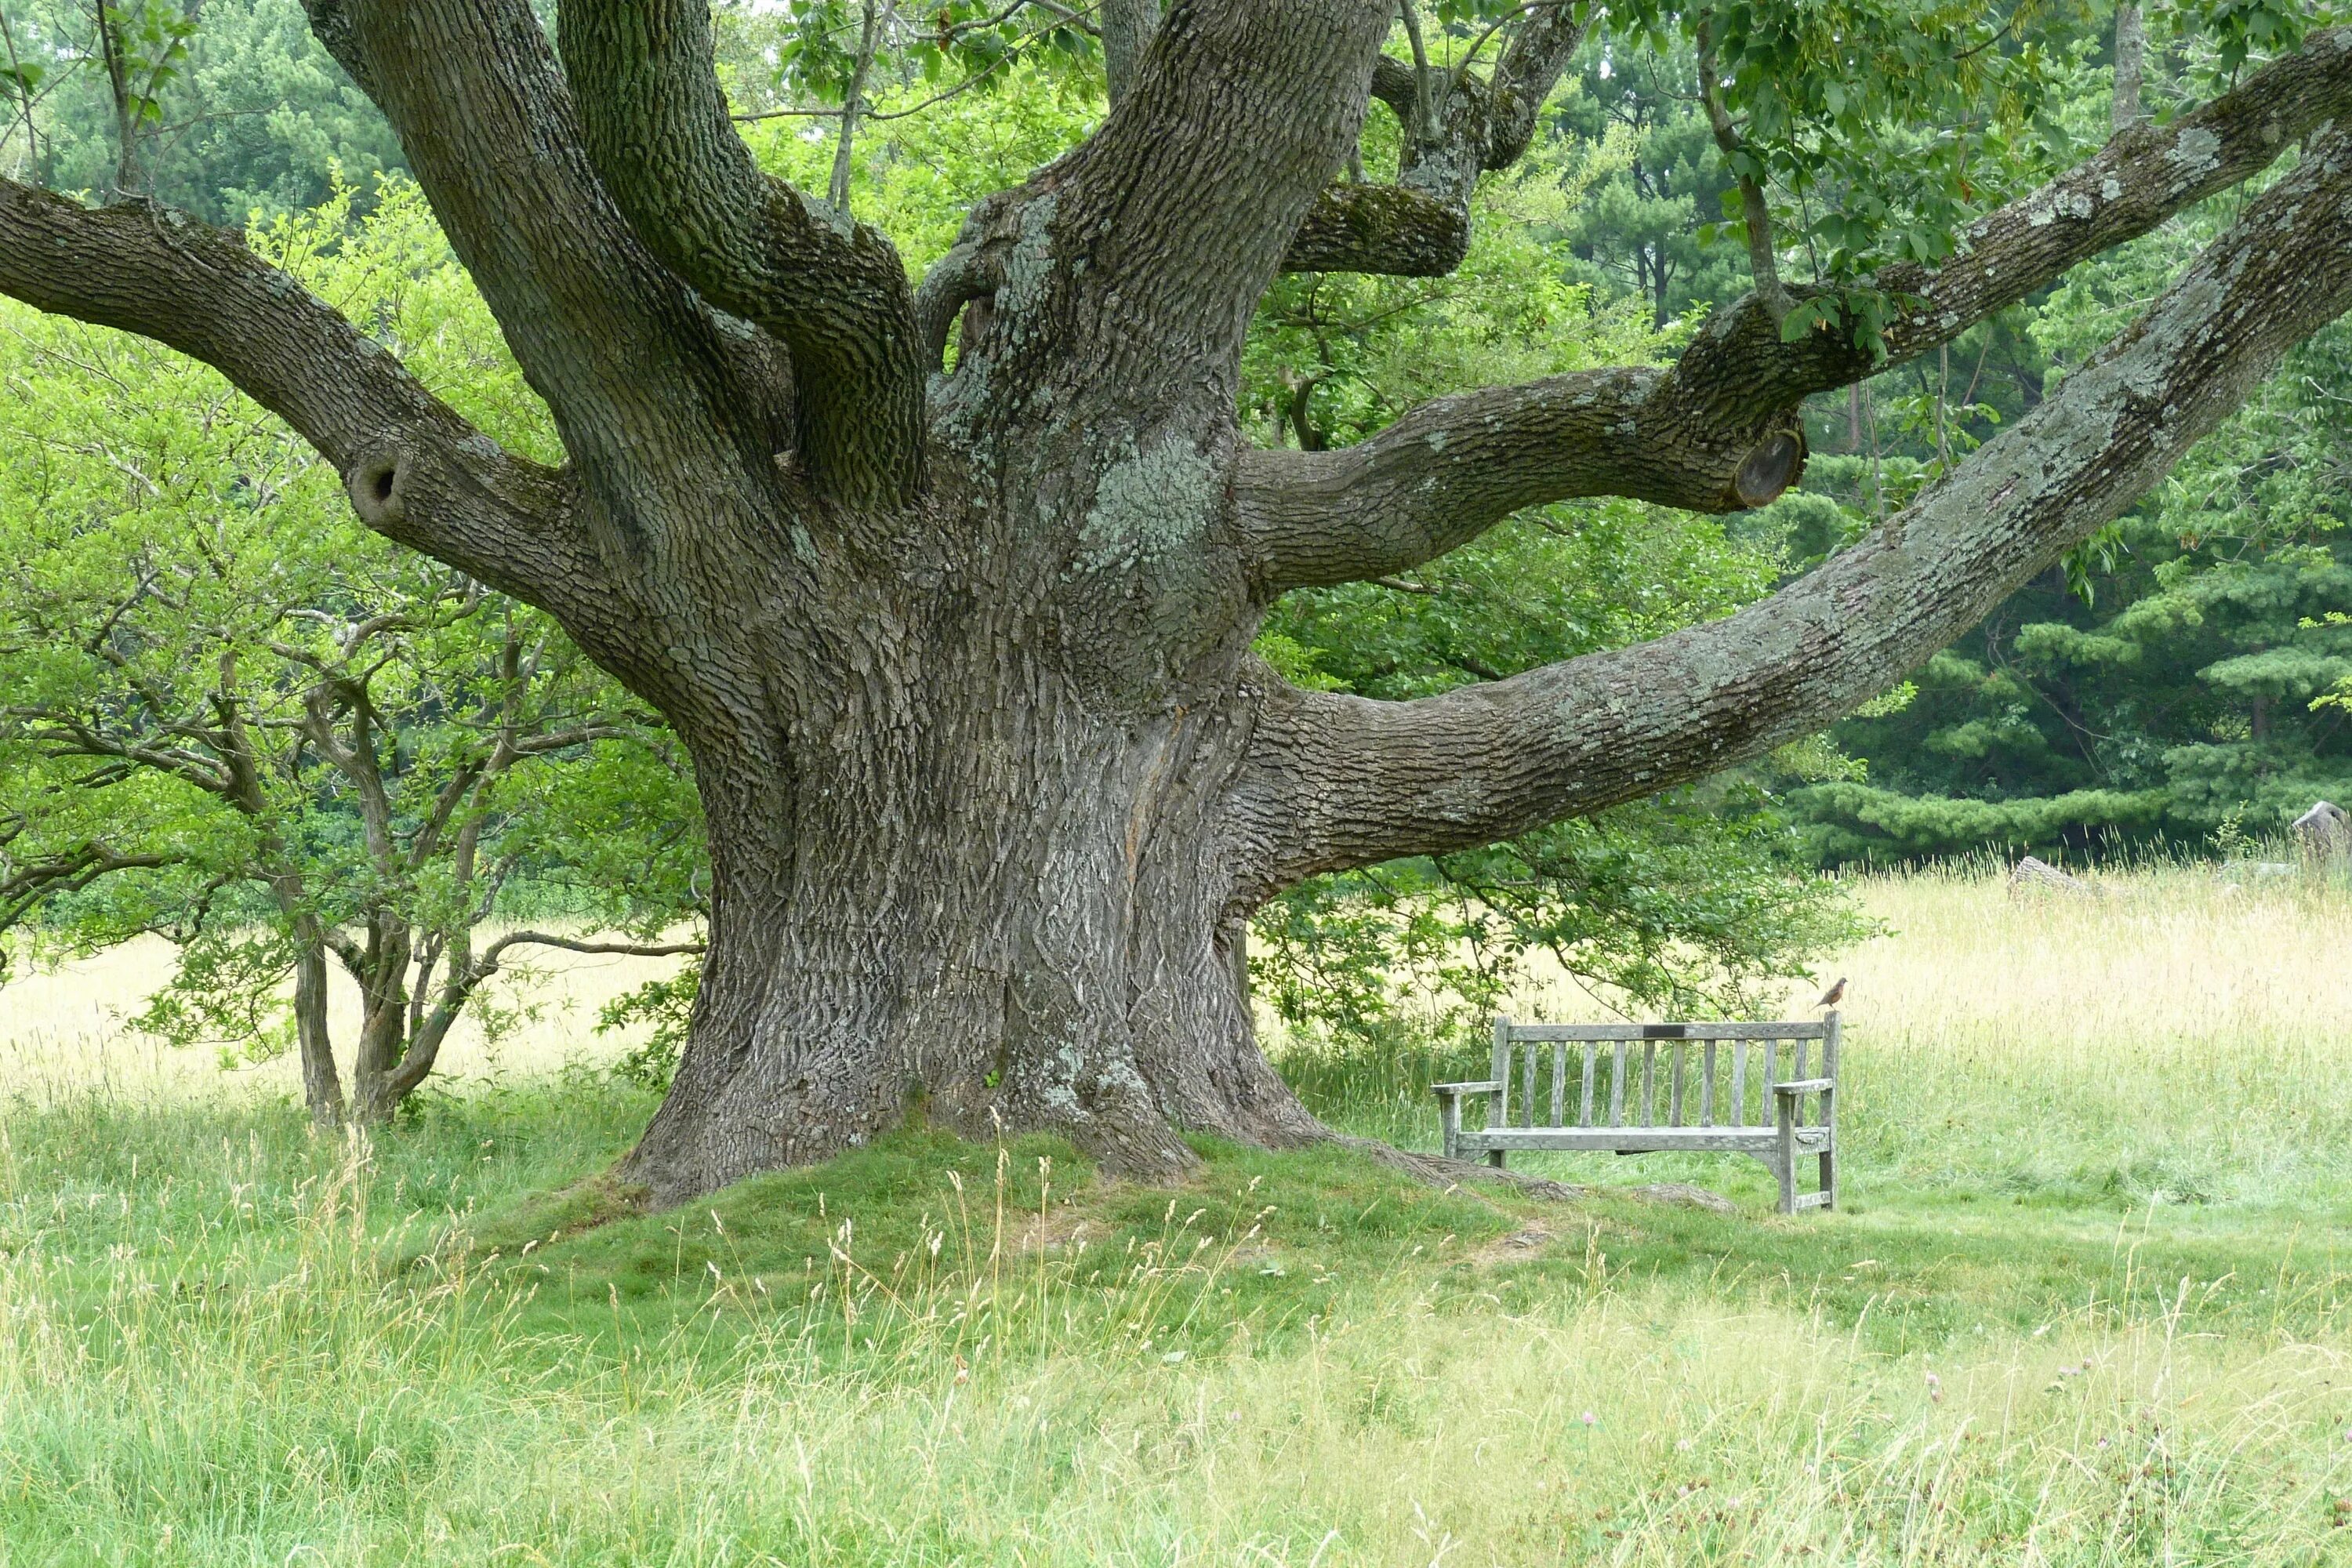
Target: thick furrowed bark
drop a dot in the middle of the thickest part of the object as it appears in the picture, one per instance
(1346, 782)
(1015, 915)
(1140, 256)
(832, 291)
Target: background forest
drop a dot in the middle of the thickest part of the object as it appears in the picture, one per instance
(2180, 681)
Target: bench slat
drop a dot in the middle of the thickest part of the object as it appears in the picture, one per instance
(1676, 1097)
(1707, 1084)
(1649, 1083)
(1641, 1139)
(1739, 1083)
(1591, 1057)
(1558, 1077)
(1527, 1087)
(1617, 1087)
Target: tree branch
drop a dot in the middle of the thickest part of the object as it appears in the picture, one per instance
(1719, 430)
(1456, 128)
(1452, 469)
(417, 472)
(1340, 780)
(629, 361)
(1738, 362)
(26, 884)
(1143, 238)
(1756, 216)
(832, 291)
(626, 949)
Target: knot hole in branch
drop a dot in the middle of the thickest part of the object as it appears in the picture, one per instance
(1771, 469)
(378, 486)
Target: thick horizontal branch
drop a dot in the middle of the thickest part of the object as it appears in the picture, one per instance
(418, 473)
(1450, 470)
(1342, 781)
(832, 291)
(1393, 230)
(1718, 430)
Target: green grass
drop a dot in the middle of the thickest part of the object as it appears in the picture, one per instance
(2089, 1305)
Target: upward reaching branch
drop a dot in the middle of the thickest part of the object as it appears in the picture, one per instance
(1347, 782)
(1148, 243)
(833, 291)
(626, 357)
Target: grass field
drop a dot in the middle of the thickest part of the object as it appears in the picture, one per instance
(2088, 1304)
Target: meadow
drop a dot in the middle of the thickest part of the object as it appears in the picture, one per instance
(2088, 1302)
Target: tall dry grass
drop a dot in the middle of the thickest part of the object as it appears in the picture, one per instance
(2089, 1312)
(2184, 1033)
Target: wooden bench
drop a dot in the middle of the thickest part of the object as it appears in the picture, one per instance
(1618, 1094)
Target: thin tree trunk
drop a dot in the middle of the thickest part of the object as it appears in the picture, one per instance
(852, 107)
(127, 178)
(36, 165)
(322, 1088)
(2131, 54)
(383, 1021)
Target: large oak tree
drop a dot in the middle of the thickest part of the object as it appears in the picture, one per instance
(962, 654)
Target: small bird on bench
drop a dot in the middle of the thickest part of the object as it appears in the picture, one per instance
(1833, 996)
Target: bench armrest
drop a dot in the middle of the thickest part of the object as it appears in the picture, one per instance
(1486, 1086)
(1805, 1086)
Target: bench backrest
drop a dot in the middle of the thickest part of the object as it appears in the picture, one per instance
(1653, 1075)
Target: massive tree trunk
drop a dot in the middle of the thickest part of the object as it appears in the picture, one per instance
(993, 778)
(993, 896)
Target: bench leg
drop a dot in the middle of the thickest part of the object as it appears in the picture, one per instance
(1829, 1179)
(1785, 1165)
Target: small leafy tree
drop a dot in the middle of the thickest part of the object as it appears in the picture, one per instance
(231, 715)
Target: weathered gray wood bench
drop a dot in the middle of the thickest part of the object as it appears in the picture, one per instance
(1622, 1093)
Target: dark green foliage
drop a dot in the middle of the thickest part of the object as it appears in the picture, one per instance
(249, 114)
(2171, 678)
(1645, 222)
